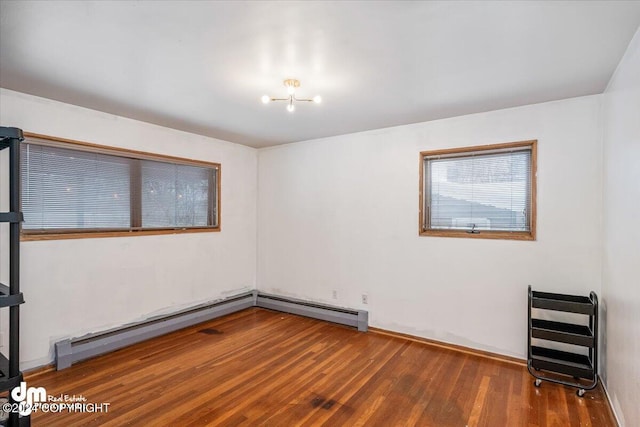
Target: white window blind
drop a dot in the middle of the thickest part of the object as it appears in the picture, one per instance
(479, 191)
(89, 189)
(69, 189)
(174, 195)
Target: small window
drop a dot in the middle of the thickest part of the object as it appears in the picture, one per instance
(479, 192)
(73, 189)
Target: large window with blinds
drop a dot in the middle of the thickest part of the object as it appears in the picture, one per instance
(77, 189)
(479, 192)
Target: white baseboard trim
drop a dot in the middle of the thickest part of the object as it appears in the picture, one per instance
(611, 405)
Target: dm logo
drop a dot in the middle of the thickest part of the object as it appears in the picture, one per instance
(26, 397)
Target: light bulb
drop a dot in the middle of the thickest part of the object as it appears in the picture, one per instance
(290, 108)
(317, 99)
(266, 99)
(291, 89)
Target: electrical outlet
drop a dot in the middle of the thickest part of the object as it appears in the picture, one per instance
(365, 299)
(335, 294)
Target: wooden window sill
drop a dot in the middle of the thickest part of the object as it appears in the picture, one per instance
(500, 235)
(26, 237)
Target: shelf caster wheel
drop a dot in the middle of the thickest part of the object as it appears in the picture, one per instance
(537, 383)
(580, 392)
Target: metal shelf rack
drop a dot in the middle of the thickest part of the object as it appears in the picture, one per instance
(10, 295)
(576, 365)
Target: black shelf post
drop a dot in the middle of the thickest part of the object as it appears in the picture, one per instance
(10, 296)
(569, 363)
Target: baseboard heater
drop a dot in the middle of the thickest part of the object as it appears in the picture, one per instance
(356, 318)
(73, 350)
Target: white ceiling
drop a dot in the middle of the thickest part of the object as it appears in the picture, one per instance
(203, 66)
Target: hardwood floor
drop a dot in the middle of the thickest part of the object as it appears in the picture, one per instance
(259, 367)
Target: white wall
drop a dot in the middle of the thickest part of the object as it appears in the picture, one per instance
(342, 214)
(621, 258)
(77, 286)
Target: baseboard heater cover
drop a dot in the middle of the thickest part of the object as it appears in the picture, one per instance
(73, 350)
(356, 318)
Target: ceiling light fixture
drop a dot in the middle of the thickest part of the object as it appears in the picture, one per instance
(291, 85)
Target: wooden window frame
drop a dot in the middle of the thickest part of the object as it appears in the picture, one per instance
(461, 151)
(136, 227)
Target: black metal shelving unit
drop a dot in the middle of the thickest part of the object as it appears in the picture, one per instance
(10, 296)
(576, 365)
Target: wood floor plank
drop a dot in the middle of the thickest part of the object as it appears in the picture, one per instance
(259, 367)
(478, 403)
